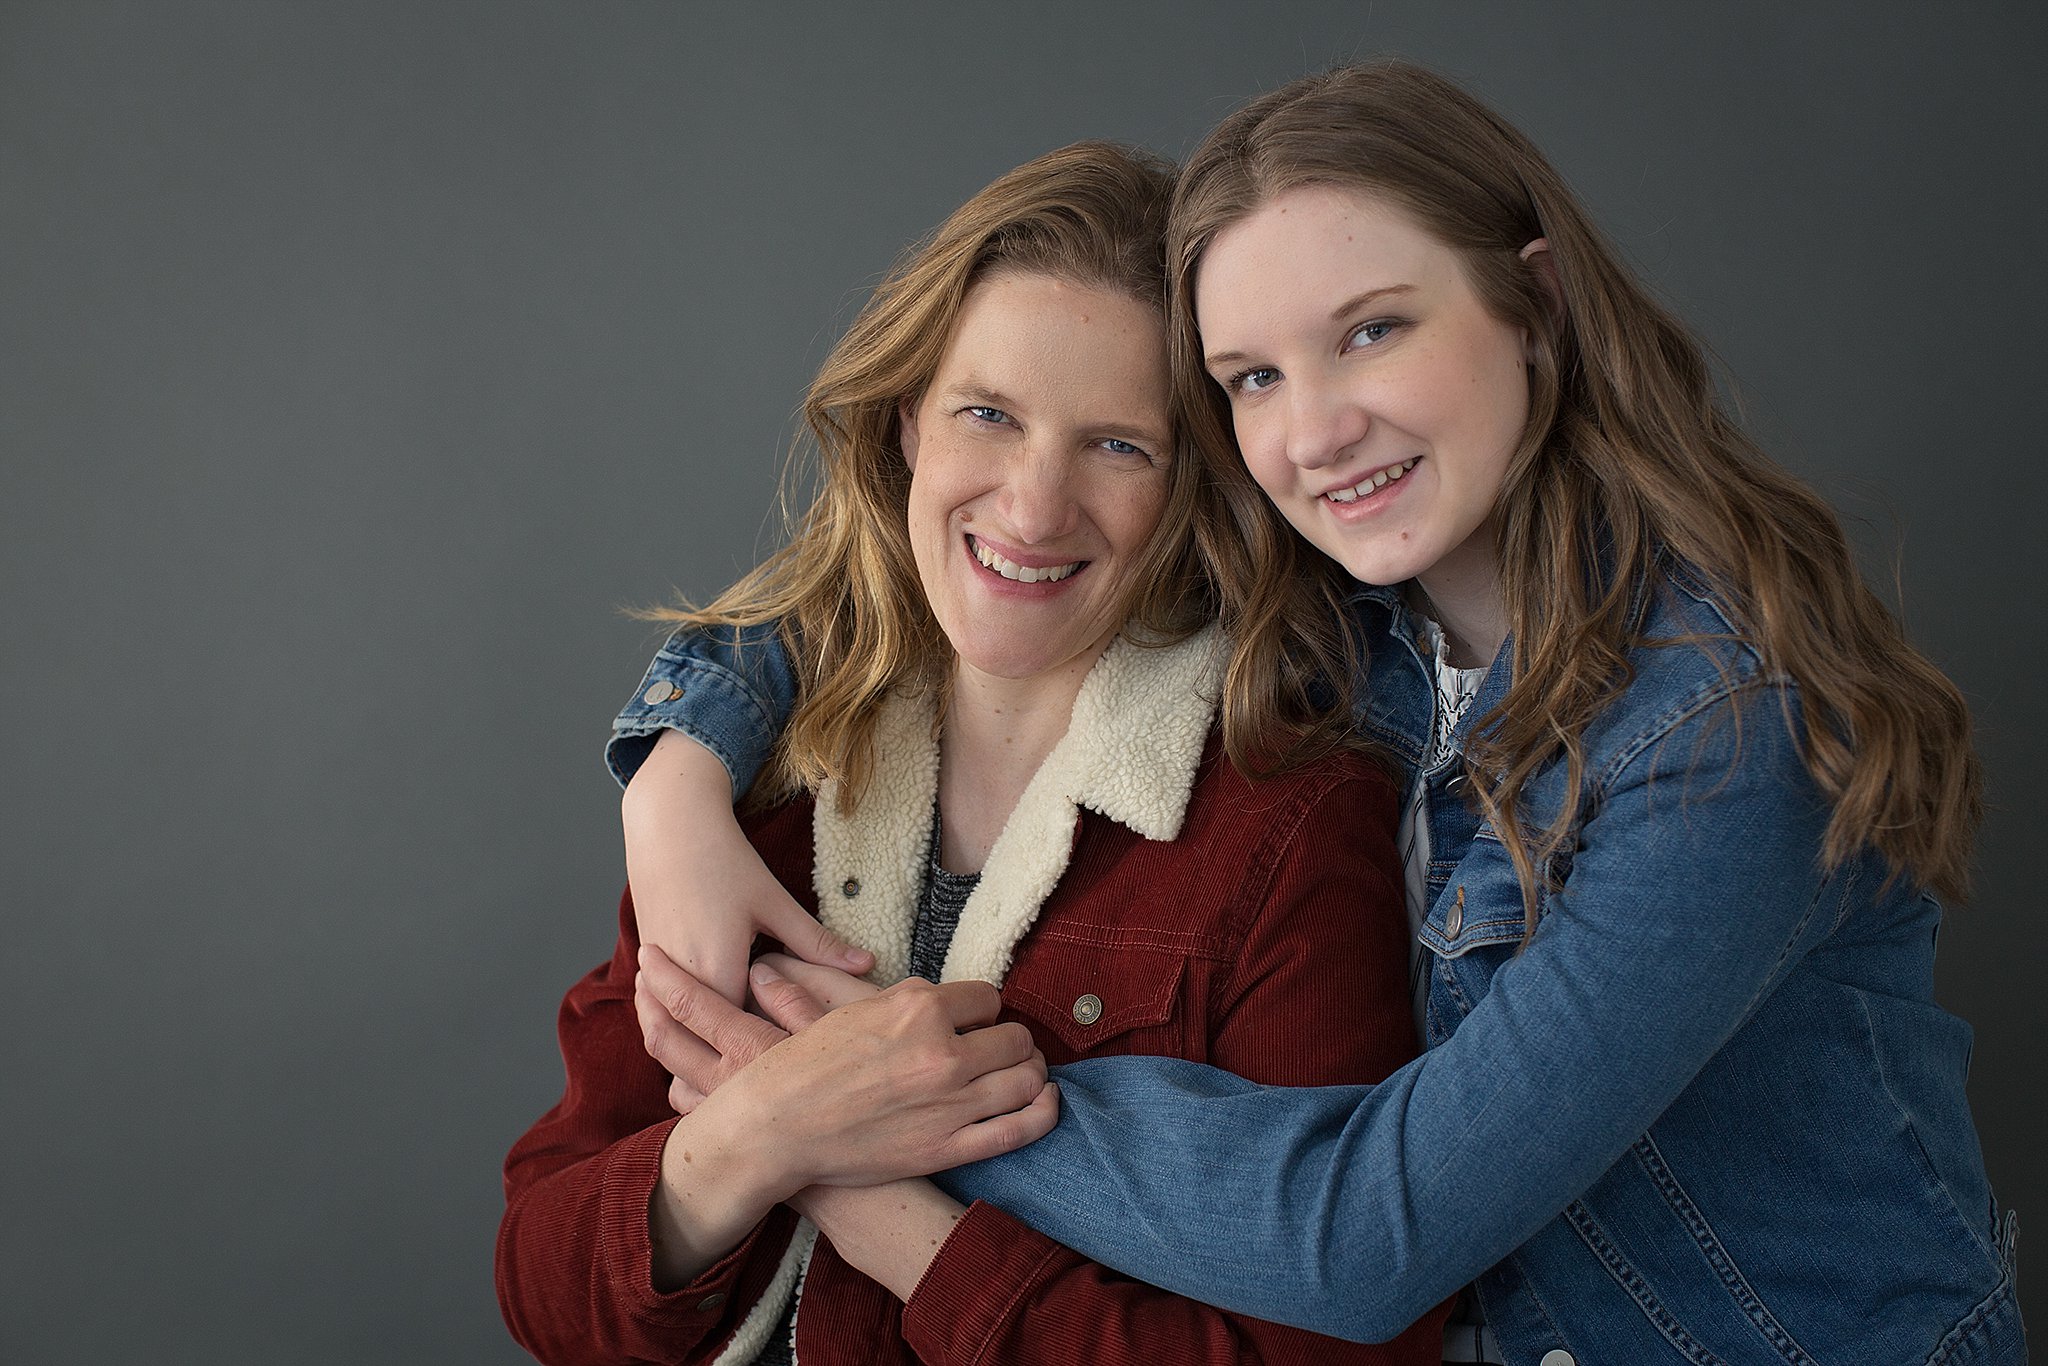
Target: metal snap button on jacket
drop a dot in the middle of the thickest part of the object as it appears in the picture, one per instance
(1088, 1009)
(1558, 1356)
(850, 887)
(710, 1302)
(658, 693)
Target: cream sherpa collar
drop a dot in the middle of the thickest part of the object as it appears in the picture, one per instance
(1140, 721)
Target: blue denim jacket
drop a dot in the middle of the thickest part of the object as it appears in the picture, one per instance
(1709, 1114)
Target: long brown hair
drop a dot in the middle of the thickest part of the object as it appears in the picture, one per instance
(844, 590)
(1633, 459)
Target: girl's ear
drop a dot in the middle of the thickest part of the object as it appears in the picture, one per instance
(906, 431)
(1537, 254)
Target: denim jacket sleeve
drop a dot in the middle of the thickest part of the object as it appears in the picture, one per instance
(1352, 1209)
(730, 690)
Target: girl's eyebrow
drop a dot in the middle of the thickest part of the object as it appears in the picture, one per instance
(1358, 301)
(1212, 359)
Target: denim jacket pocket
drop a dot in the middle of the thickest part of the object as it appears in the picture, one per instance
(1480, 905)
(1094, 1000)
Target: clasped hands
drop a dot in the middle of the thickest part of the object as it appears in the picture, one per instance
(857, 1085)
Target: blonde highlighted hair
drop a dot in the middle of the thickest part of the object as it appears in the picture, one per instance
(1626, 458)
(844, 592)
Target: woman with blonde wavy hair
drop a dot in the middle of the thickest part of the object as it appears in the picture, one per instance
(1004, 766)
(1680, 804)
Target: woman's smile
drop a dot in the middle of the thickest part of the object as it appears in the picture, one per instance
(1024, 571)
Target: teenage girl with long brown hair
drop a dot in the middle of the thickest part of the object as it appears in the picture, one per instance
(1681, 804)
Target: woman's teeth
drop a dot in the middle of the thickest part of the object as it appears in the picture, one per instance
(1051, 573)
(1365, 486)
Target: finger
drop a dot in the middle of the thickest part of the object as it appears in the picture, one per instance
(1005, 1133)
(829, 987)
(685, 1056)
(805, 938)
(736, 1036)
(783, 1001)
(992, 1048)
(683, 1097)
(999, 1093)
(970, 1003)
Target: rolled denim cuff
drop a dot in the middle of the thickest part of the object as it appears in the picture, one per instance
(730, 692)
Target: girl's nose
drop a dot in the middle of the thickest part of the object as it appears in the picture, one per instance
(1323, 423)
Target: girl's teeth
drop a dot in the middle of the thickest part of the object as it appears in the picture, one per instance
(1051, 573)
(1365, 486)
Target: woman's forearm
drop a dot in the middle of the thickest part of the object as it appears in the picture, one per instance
(888, 1233)
(713, 1190)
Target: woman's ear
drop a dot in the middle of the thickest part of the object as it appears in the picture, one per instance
(906, 431)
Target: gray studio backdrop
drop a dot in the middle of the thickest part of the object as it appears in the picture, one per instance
(358, 361)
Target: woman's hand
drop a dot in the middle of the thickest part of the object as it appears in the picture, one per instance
(700, 890)
(828, 987)
(904, 1082)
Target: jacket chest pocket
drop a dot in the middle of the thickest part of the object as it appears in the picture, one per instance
(1480, 905)
(1083, 998)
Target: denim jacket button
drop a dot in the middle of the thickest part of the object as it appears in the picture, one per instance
(658, 693)
(1558, 1356)
(1088, 1009)
(1454, 922)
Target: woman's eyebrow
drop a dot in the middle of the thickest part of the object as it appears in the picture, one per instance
(980, 393)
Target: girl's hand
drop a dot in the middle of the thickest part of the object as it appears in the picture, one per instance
(700, 891)
(908, 1081)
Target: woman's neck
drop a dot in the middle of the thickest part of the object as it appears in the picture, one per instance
(998, 731)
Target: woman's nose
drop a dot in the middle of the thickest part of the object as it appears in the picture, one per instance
(1323, 423)
(1038, 497)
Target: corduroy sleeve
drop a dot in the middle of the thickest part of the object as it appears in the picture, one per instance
(574, 1261)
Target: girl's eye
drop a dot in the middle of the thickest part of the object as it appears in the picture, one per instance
(995, 417)
(1118, 446)
(1366, 334)
(1255, 380)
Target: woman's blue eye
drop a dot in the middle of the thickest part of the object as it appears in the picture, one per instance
(1368, 333)
(1252, 381)
(992, 416)
(1117, 446)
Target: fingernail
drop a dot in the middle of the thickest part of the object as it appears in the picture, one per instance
(857, 958)
(761, 975)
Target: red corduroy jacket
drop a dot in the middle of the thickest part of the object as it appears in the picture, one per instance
(1269, 939)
